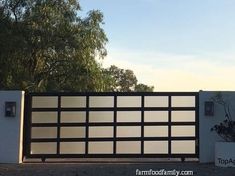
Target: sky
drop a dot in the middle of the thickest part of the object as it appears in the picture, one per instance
(174, 45)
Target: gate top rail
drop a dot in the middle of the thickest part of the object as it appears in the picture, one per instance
(113, 93)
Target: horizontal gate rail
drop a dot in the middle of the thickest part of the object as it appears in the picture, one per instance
(110, 124)
(117, 109)
(113, 93)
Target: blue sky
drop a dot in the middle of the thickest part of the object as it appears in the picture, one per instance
(175, 45)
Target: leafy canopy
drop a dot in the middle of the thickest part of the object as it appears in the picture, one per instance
(122, 80)
(46, 46)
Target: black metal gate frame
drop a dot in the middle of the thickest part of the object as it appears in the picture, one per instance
(28, 125)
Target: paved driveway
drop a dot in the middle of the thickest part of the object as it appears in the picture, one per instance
(112, 169)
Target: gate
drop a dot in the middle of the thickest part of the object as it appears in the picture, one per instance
(114, 125)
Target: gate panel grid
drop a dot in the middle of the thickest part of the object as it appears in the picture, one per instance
(91, 125)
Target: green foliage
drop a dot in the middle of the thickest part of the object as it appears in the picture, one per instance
(46, 46)
(122, 80)
(143, 88)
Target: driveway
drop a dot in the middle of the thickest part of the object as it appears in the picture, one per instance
(113, 169)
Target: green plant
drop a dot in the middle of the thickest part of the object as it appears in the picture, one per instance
(226, 129)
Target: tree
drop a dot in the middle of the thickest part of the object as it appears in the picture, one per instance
(143, 88)
(45, 45)
(122, 80)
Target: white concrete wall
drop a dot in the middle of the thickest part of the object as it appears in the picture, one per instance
(206, 137)
(11, 128)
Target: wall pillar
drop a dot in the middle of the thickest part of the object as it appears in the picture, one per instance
(11, 128)
(206, 137)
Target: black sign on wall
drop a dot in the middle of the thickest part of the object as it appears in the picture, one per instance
(10, 109)
(209, 108)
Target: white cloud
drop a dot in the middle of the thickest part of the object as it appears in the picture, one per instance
(168, 72)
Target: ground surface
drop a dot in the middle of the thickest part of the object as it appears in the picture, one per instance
(108, 169)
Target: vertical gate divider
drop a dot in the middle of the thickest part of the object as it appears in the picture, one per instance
(169, 125)
(197, 123)
(142, 125)
(87, 124)
(58, 125)
(28, 123)
(115, 125)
